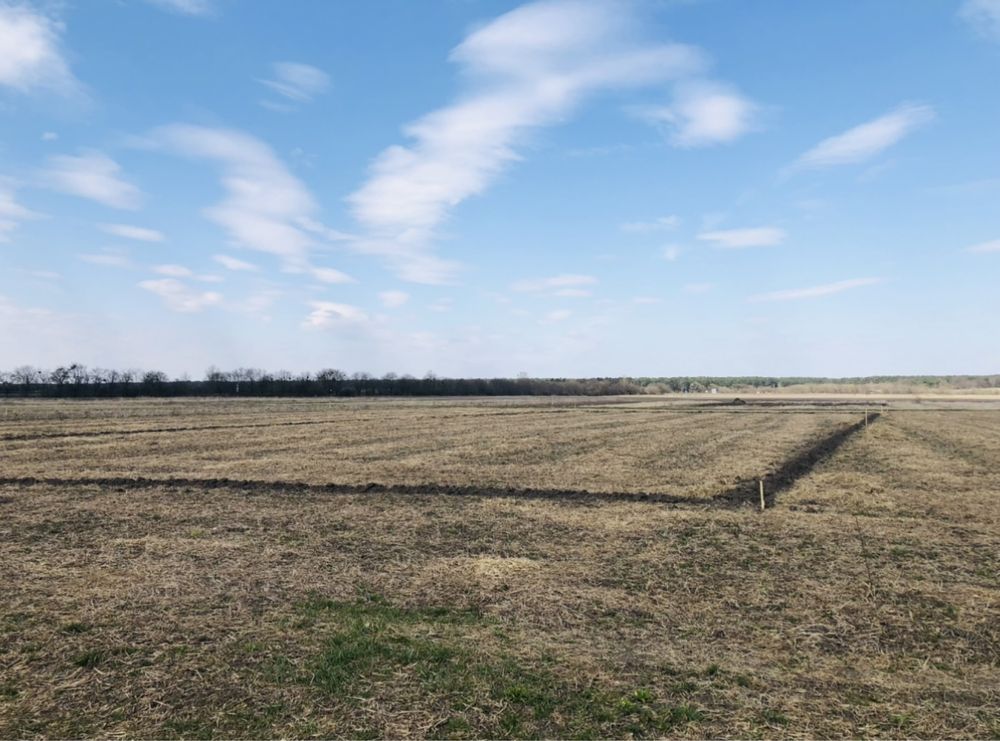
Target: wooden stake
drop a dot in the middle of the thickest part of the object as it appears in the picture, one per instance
(866, 418)
(762, 495)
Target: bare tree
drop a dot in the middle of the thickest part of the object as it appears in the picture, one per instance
(331, 374)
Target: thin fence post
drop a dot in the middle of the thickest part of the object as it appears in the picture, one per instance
(762, 495)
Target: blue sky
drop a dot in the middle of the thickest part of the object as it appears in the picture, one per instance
(473, 187)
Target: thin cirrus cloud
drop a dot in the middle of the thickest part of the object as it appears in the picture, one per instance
(329, 275)
(186, 7)
(830, 289)
(296, 82)
(866, 140)
(12, 213)
(983, 16)
(984, 247)
(671, 252)
(393, 299)
(735, 239)
(235, 264)
(179, 271)
(91, 175)
(663, 223)
(558, 315)
(559, 285)
(179, 297)
(137, 233)
(266, 208)
(173, 271)
(109, 258)
(703, 114)
(327, 314)
(527, 69)
(31, 54)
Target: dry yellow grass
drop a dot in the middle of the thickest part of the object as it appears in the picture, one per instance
(226, 611)
(573, 446)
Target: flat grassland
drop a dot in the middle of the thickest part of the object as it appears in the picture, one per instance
(498, 568)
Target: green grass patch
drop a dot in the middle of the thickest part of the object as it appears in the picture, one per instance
(373, 648)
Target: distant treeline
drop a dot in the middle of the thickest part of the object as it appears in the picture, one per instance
(78, 381)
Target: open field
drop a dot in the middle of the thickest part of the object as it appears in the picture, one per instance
(310, 594)
(682, 451)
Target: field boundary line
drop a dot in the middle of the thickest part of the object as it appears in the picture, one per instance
(800, 465)
(468, 490)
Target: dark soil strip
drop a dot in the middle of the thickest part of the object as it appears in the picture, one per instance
(747, 492)
(258, 486)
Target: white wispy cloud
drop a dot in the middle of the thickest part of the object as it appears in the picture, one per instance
(563, 282)
(266, 208)
(326, 314)
(760, 236)
(186, 7)
(558, 315)
(527, 69)
(393, 299)
(295, 81)
(795, 294)
(234, 263)
(173, 271)
(671, 252)
(180, 297)
(138, 233)
(31, 55)
(983, 16)
(48, 275)
(12, 213)
(91, 175)
(703, 114)
(329, 275)
(663, 223)
(983, 247)
(868, 139)
(108, 257)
